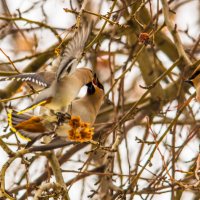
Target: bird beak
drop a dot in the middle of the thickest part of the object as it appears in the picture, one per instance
(97, 82)
(95, 79)
(189, 81)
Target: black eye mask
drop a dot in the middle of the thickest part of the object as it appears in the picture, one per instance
(90, 88)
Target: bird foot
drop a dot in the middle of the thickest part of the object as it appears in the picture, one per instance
(62, 117)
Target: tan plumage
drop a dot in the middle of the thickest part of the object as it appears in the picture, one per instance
(63, 92)
(63, 85)
(86, 108)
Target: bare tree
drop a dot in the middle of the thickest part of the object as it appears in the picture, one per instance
(147, 131)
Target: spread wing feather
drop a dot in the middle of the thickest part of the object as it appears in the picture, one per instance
(73, 51)
(36, 78)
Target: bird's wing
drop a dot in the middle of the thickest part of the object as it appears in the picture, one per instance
(15, 119)
(40, 102)
(73, 51)
(33, 136)
(41, 78)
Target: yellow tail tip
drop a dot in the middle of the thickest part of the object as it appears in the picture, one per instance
(12, 128)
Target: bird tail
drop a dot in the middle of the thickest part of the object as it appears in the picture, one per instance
(13, 120)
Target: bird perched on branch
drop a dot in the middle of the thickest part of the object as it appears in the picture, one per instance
(76, 128)
(63, 86)
(194, 80)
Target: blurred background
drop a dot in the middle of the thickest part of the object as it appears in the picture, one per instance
(144, 52)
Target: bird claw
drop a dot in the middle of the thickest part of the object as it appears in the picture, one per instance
(62, 117)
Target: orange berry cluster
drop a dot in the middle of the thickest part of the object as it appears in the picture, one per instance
(80, 131)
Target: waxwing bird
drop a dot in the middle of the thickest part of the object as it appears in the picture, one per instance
(59, 95)
(194, 80)
(62, 86)
(88, 106)
(83, 112)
